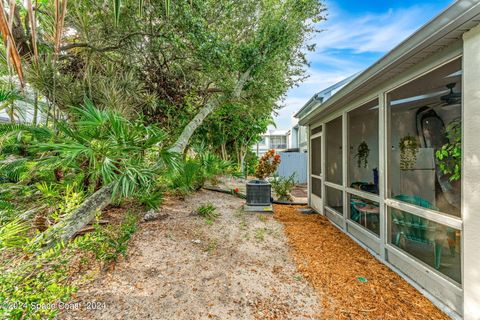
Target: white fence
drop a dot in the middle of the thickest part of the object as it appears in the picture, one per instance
(293, 162)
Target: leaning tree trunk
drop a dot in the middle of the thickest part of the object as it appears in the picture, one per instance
(78, 219)
(83, 215)
(182, 141)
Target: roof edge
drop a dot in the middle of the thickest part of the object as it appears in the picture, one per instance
(447, 20)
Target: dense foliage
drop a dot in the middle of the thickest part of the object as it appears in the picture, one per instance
(267, 165)
(128, 100)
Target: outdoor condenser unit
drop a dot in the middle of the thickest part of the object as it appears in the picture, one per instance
(258, 193)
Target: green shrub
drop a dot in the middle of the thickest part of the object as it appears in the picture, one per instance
(251, 161)
(192, 173)
(208, 211)
(150, 199)
(33, 279)
(283, 187)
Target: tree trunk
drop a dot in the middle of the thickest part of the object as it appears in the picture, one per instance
(182, 141)
(243, 153)
(223, 148)
(35, 108)
(78, 219)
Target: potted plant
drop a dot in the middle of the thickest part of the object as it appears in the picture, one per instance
(259, 191)
(408, 152)
(283, 186)
(450, 154)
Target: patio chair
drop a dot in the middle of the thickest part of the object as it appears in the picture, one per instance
(415, 228)
(354, 213)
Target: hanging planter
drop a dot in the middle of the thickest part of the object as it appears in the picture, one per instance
(408, 152)
(362, 155)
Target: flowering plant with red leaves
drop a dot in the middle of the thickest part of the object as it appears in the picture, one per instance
(267, 164)
(236, 190)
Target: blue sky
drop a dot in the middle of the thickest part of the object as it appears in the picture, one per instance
(356, 34)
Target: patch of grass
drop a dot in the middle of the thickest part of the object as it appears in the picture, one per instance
(260, 234)
(262, 218)
(207, 211)
(298, 277)
(211, 247)
(243, 225)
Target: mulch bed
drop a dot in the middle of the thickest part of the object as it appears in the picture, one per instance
(335, 265)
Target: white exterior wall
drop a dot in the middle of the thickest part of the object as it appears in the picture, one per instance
(471, 175)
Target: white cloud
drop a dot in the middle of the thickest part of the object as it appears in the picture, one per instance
(370, 32)
(346, 46)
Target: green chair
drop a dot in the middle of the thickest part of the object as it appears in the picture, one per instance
(415, 228)
(354, 214)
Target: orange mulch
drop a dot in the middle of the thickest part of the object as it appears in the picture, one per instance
(332, 263)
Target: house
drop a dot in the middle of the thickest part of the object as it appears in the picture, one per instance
(394, 158)
(272, 139)
(24, 110)
(297, 138)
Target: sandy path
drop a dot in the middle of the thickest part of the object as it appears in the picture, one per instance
(183, 268)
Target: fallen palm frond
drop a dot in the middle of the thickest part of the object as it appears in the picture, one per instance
(9, 41)
(60, 12)
(33, 28)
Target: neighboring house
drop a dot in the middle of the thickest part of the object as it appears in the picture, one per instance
(24, 108)
(24, 113)
(297, 138)
(273, 139)
(374, 170)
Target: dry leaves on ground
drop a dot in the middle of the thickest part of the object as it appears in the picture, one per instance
(333, 262)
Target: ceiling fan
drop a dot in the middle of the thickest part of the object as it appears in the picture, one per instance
(451, 98)
(448, 98)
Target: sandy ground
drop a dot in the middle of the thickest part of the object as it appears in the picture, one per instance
(182, 267)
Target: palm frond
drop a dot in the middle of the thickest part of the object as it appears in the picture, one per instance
(13, 234)
(7, 36)
(116, 10)
(15, 170)
(38, 133)
(9, 95)
(6, 205)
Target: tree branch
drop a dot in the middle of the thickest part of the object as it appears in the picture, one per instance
(108, 48)
(182, 141)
